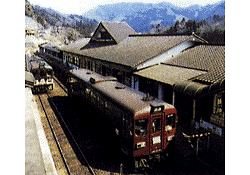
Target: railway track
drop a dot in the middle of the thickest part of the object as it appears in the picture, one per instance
(65, 159)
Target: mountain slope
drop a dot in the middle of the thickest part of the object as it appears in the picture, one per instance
(141, 16)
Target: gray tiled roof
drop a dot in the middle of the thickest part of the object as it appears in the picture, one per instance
(132, 51)
(203, 57)
(76, 46)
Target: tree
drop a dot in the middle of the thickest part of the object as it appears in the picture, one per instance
(191, 26)
(202, 22)
(158, 28)
(183, 21)
(176, 26)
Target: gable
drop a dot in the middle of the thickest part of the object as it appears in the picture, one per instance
(112, 32)
(102, 35)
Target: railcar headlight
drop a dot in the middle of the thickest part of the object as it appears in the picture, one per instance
(42, 81)
(169, 138)
(140, 145)
(168, 128)
(157, 140)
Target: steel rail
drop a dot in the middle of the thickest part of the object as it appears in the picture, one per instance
(61, 85)
(85, 159)
(54, 135)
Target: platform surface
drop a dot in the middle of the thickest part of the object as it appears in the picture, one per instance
(38, 158)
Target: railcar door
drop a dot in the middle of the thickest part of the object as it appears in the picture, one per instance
(155, 134)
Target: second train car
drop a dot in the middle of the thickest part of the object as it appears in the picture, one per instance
(43, 74)
(145, 126)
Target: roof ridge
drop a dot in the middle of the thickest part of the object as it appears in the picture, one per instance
(193, 34)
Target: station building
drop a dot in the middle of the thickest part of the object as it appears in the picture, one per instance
(116, 49)
(183, 70)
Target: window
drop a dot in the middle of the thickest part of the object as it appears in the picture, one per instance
(156, 125)
(170, 122)
(87, 92)
(94, 97)
(141, 127)
(105, 35)
(89, 65)
(102, 35)
(77, 61)
(49, 73)
(68, 58)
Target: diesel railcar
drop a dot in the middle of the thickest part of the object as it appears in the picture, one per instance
(145, 126)
(43, 74)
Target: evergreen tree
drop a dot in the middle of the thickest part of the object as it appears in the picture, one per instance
(176, 26)
(158, 28)
(183, 21)
(191, 26)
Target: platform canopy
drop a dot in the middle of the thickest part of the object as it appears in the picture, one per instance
(197, 90)
(169, 74)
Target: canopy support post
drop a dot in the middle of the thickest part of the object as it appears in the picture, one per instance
(193, 119)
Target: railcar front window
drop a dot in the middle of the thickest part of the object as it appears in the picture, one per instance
(170, 122)
(141, 127)
(49, 73)
(156, 125)
(42, 73)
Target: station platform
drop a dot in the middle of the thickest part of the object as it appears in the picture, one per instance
(38, 158)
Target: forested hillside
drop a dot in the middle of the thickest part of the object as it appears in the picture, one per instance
(212, 29)
(76, 26)
(159, 17)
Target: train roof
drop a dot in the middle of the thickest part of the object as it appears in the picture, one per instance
(125, 96)
(36, 63)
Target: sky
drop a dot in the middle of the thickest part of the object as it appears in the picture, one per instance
(81, 6)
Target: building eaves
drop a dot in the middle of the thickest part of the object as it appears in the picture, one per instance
(203, 57)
